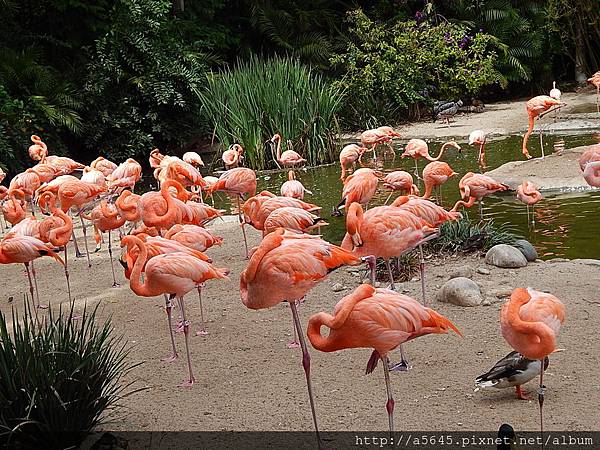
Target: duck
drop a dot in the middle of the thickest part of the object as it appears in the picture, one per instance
(512, 370)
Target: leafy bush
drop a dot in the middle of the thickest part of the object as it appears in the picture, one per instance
(57, 379)
(466, 235)
(389, 67)
(249, 104)
(143, 84)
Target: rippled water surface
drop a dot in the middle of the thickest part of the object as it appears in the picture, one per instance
(566, 224)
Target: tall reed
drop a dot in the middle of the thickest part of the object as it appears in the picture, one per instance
(251, 102)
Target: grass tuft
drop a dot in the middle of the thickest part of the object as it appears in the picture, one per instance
(59, 378)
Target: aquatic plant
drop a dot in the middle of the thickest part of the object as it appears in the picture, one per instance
(59, 378)
(256, 99)
(467, 236)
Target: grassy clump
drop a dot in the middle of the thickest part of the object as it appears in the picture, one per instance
(403, 270)
(255, 100)
(466, 235)
(59, 378)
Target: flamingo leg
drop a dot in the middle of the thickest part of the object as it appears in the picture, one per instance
(422, 270)
(37, 291)
(31, 205)
(306, 365)
(87, 252)
(541, 142)
(67, 274)
(112, 267)
(242, 225)
(168, 307)
(401, 366)
(186, 332)
(294, 343)
(533, 215)
(541, 392)
(78, 254)
(528, 221)
(388, 199)
(391, 274)
(389, 406)
(481, 210)
(31, 288)
(202, 330)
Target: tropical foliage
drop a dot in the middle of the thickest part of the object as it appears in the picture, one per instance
(122, 76)
(58, 378)
(389, 67)
(257, 99)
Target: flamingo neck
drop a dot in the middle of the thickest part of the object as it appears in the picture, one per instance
(141, 289)
(460, 203)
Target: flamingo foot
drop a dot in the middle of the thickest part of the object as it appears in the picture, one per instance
(527, 155)
(179, 328)
(293, 344)
(170, 357)
(97, 249)
(42, 306)
(187, 383)
(401, 366)
(201, 332)
(78, 255)
(116, 285)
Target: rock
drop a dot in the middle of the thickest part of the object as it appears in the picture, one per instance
(483, 271)
(503, 294)
(337, 287)
(464, 271)
(540, 261)
(588, 262)
(486, 303)
(460, 291)
(505, 256)
(527, 249)
(353, 269)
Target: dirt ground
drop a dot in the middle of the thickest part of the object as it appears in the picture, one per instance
(502, 118)
(247, 379)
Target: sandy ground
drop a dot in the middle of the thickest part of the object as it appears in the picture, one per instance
(502, 118)
(247, 379)
(554, 172)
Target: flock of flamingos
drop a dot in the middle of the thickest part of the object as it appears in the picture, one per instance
(164, 239)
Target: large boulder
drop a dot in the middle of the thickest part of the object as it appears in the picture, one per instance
(505, 256)
(527, 249)
(460, 291)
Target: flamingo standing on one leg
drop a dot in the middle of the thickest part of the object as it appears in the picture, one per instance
(536, 108)
(24, 249)
(348, 157)
(285, 267)
(200, 239)
(528, 194)
(380, 319)
(530, 322)
(289, 158)
(435, 174)
(478, 137)
(174, 274)
(238, 182)
(555, 93)
(57, 230)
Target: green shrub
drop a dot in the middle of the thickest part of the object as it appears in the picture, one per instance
(390, 67)
(58, 379)
(466, 235)
(255, 100)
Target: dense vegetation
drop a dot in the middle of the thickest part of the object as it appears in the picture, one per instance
(121, 76)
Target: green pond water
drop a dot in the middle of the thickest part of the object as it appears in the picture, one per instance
(566, 223)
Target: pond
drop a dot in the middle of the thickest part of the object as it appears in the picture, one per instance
(564, 221)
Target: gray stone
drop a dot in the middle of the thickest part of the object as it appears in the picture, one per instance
(486, 302)
(527, 249)
(503, 294)
(464, 271)
(337, 287)
(483, 271)
(588, 262)
(460, 291)
(505, 256)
